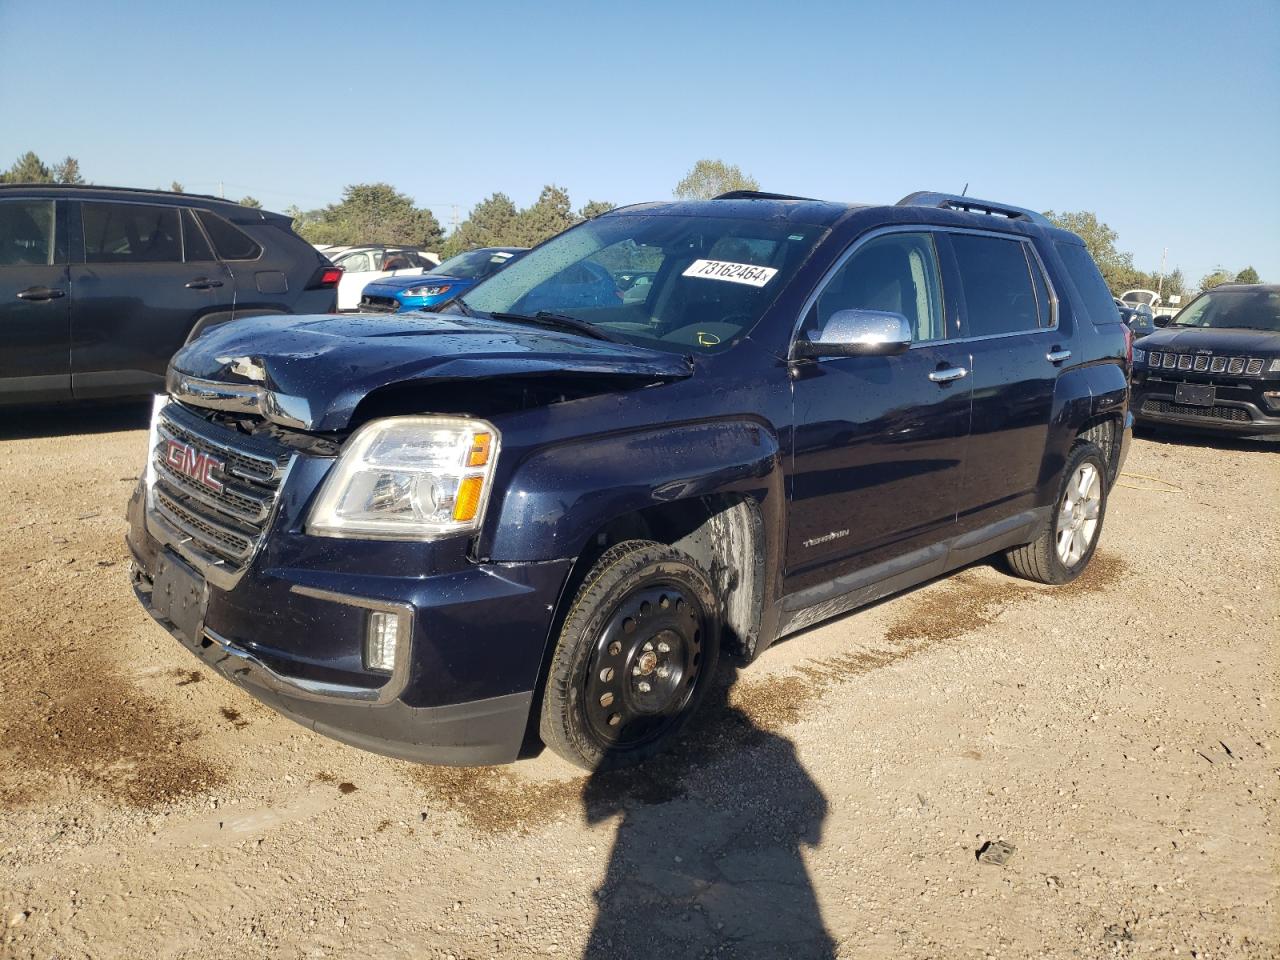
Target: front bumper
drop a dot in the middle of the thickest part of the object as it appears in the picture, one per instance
(292, 636)
(1237, 409)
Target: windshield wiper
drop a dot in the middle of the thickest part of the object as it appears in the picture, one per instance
(462, 307)
(558, 321)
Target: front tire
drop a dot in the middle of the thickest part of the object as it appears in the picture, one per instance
(1064, 549)
(634, 657)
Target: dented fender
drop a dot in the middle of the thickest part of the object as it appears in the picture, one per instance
(558, 497)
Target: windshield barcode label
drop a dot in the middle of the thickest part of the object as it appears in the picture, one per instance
(752, 276)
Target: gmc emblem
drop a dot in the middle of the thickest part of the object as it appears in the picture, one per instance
(193, 463)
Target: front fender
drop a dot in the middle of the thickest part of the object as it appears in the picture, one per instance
(561, 495)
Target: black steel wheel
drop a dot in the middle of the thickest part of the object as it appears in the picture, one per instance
(633, 659)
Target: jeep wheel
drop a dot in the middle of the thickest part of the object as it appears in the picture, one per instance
(1064, 548)
(634, 657)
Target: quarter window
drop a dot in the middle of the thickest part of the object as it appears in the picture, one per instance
(26, 233)
(230, 242)
(897, 272)
(998, 292)
(1089, 283)
(131, 233)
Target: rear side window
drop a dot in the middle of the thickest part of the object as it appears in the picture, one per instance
(998, 292)
(194, 244)
(1089, 284)
(26, 233)
(229, 241)
(131, 233)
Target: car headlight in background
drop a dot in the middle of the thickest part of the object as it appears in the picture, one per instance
(427, 291)
(408, 478)
(1139, 356)
(1275, 365)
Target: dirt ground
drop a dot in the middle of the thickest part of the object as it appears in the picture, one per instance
(1120, 733)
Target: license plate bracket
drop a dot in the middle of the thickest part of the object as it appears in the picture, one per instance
(180, 595)
(1195, 394)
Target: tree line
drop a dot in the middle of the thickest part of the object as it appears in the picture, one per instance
(379, 213)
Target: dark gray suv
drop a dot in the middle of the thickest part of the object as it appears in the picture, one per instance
(100, 286)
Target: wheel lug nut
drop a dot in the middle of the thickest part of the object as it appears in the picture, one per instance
(648, 645)
(664, 647)
(664, 671)
(643, 686)
(606, 674)
(606, 699)
(615, 719)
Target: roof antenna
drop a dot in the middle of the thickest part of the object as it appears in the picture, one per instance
(965, 190)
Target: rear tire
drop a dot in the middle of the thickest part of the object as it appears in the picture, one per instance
(1064, 548)
(634, 658)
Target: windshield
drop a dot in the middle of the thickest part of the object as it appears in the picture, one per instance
(706, 280)
(1238, 309)
(474, 264)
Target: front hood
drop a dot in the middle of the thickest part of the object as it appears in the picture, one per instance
(1225, 342)
(312, 372)
(389, 286)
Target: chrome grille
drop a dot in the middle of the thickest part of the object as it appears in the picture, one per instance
(217, 529)
(1203, 363)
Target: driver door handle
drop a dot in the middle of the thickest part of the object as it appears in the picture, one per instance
(1057, 356)
(40, 293)
(947, 374)
(202, 283)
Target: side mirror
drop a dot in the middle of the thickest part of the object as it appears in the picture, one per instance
(857, 333)
(1162, 320)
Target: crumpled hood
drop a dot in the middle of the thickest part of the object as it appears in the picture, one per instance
(389, 286)
(1233, 342)
(321, 367)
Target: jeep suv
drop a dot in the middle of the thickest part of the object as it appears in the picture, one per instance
(100, 286)
(1216, 366)
(455, 537)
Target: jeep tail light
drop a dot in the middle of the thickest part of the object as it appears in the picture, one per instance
(1128, 346)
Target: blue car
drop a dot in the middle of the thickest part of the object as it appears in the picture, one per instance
(436, 287)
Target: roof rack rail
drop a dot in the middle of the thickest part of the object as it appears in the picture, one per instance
(756, 195)
(102, 186)
(951, 201)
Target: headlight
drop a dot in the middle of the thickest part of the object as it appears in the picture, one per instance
(426, 291)
(1139, 356)
(408, 478)
(1275, 365)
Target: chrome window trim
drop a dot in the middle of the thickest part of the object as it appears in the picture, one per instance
(866, 238)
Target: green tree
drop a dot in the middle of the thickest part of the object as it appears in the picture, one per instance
(1248, 275)
(68, 171)
(176, 187)
(28, 168)
(549, 215)
(593, 209)
(250, 202)
(372, 213)
(491, 223)
(710, 178)
(1215, 279)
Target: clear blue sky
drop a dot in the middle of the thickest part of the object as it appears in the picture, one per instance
(1047, 105)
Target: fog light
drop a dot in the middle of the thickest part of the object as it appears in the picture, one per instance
(380, 644)
(1272, 399)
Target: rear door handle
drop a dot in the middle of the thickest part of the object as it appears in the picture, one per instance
(947, 374)
(1057, 356)
(40, 293)
(203, 283)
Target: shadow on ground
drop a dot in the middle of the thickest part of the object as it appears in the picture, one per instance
(22, 423)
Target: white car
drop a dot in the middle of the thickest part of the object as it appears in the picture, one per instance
(360, 265)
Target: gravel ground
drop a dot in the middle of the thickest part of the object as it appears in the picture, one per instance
(1120, 733)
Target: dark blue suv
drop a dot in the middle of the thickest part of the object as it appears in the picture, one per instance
(455, 537)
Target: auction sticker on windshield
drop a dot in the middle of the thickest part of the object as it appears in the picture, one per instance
(733, 272)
